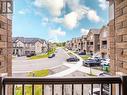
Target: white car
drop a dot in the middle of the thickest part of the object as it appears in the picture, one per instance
(105, 62)
(96, 91)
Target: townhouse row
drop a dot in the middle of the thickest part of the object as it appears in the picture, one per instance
(95, 42)
(24, 46)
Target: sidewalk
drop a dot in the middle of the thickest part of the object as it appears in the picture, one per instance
(72, 67)
(75, 67)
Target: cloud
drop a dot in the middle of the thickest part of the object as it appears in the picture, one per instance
(84, 31)
(55, 7)
(45, 21)
(58, 20)
(55, 33)
(71, 20)
(24, 11)
(103, 4)
(21, 12)
(92, 15)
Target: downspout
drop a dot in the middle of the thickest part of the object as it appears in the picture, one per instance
(115, 40)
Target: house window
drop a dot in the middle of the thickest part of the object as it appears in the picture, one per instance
(91, 37)
(2, 25)
(91, 43)
(0, 51)
(104, 42)
(0, 37)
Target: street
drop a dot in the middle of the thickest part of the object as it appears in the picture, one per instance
(22, 65)
(57, 65)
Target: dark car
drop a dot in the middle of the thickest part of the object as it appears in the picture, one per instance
(92, 62)
(30, 54)
(51, 56)
(82, 53)
(73, 59)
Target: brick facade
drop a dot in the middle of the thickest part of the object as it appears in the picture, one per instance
(93, 42)
(5, 45)
(118, 37)
(104, 41)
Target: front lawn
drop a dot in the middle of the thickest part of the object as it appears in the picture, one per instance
(39, 73)
(70, 54)
(28, 90)
(86, 57)
(43, 55)
(37, 88)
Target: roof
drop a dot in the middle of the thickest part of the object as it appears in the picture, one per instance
(27, 40)
(104, 28)
(84, 36)
(95, 31)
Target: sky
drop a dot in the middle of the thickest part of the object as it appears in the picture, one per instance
(58, 20)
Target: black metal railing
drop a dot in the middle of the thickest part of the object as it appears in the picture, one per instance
(112, 82)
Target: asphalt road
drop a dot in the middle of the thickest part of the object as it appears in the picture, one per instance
(22, 65)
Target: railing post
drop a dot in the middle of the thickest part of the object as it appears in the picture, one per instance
(0, 85)
(124, 85)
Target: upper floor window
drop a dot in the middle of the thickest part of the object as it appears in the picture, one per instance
(0, 63)
(2, 25)
(91, 37)
(104, 42)
(0, 37)
(91, 43)
(0, 51)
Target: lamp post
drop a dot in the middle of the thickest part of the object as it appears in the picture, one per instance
(90, 71)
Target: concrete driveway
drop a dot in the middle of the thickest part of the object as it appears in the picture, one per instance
(22, 65)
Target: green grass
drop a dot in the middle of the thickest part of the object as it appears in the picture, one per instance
(85, 57)
(69, 53)
(39, 73)
(28, 90)
(43, 55)
(37, 88)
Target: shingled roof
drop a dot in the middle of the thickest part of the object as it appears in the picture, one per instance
(27, 40)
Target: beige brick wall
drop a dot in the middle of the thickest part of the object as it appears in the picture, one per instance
(118, 38)
(6, 45)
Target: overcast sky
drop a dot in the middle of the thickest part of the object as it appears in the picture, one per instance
(58, 20)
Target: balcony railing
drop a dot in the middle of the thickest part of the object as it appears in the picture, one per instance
(62, 82)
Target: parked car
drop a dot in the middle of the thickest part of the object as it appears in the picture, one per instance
(96, 91)
(72, 59)
(82, 53)
(92, 62)
(105, 62)
(51, 56)
(30, 54)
